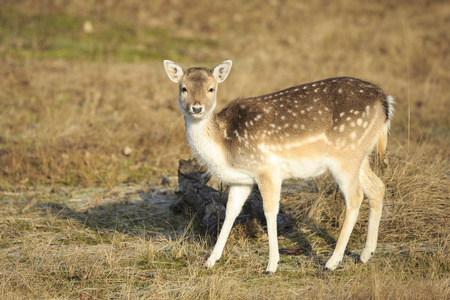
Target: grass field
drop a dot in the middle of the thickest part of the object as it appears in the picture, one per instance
(89, 124)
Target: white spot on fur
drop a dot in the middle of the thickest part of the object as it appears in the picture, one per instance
(342, 128)
(307, 141)
(341, 114)
(353, 135)
(359, 122)
(237, 135)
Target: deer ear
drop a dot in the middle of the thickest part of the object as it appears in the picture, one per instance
(221, 71)
(173, 70)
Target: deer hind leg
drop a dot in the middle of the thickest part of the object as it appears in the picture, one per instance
(374, 189)
(236, 199)
(270, 188)
(353, 193)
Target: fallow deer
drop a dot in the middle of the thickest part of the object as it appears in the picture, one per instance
(300, 132)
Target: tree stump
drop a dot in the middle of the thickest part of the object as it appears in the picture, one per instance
(209, 204)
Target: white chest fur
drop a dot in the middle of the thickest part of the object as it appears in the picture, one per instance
(201, 139)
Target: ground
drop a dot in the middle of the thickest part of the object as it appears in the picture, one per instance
(89, 127)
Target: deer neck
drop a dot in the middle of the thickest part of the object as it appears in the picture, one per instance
(205, 139)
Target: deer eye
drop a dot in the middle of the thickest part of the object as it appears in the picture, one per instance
(184, 89)
(211, 90)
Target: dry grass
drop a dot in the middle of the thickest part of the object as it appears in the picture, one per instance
(78, 217)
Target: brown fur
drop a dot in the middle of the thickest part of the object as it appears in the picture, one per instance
(300, 112)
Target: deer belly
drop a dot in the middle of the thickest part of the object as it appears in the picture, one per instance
(303, 168)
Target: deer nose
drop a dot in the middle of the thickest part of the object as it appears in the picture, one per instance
(197, 109)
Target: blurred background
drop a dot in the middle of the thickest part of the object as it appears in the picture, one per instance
(84, 98)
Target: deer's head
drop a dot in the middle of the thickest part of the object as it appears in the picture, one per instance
(197, 87)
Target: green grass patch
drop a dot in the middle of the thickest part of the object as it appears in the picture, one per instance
(53, 35)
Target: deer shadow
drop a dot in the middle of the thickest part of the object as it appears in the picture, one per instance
(151, 213)
(141, 213)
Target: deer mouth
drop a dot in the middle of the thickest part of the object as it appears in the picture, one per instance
(196, 116)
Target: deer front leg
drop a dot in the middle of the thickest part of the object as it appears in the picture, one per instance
(270, 187)
(236, 199)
